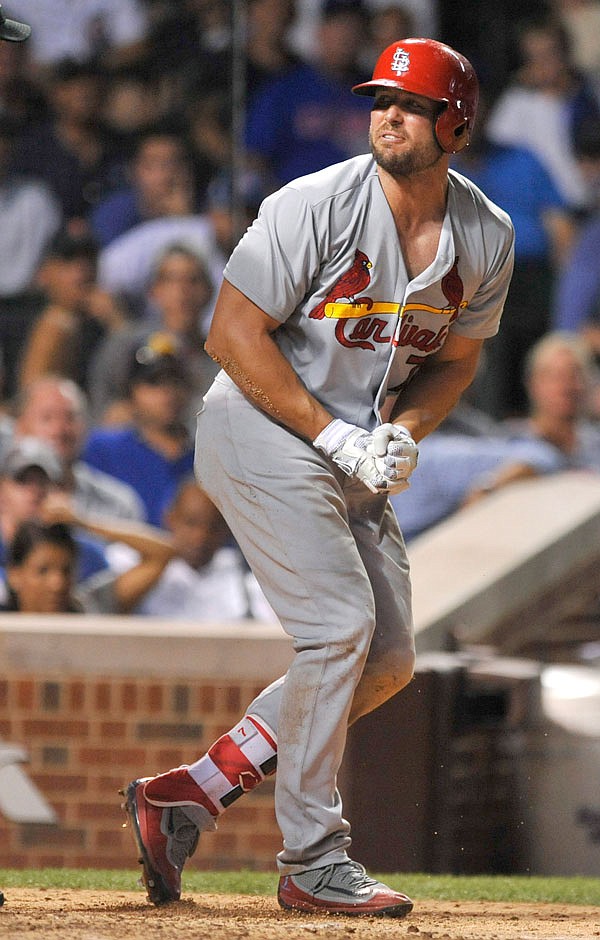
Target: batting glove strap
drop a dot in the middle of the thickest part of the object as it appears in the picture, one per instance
(351, 448)
(334, 434)
(345, 443)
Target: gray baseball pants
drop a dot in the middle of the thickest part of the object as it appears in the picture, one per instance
(331, 561)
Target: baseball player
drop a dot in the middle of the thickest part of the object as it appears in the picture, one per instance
(12, 31)
(350, 320)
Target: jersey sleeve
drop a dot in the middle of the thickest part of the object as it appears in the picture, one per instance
(277, 259)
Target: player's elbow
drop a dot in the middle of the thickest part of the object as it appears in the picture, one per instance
(401, 669)
(395, 669)
(211, 350)
(381, 680)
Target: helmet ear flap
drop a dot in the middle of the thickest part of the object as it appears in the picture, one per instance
(452, 136)
(461, 136)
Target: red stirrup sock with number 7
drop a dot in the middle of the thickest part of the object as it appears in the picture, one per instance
(236, 763)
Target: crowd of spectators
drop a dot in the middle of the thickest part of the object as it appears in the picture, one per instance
(130, 164)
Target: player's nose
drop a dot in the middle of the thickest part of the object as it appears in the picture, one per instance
(393, 114)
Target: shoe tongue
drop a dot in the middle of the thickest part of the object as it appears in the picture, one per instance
(184, 830)
(353, 873)
(198, 815)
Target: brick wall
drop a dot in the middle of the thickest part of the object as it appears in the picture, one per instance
(88, 734)
(433, 781)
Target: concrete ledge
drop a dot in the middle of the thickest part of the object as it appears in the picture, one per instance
(481, 571)
(494, 560)
(143, 646)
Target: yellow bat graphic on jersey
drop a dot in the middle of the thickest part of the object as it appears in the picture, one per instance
(345, 311)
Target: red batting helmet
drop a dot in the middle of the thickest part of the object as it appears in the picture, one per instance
(432, 69)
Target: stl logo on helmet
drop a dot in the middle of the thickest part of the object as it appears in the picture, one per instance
(400, 61)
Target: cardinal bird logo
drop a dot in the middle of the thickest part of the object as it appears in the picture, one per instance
(452, 286)
(348, 285)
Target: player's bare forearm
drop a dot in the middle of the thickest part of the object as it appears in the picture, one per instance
(437, 387)
(240, 340)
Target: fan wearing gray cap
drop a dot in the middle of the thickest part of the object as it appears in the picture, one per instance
(29, 453)
(31, 504)
(12, 30)
(29, 471)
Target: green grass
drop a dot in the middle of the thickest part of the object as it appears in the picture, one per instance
(518, 888)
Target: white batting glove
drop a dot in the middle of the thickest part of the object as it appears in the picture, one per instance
(400, 454)
(382, 459)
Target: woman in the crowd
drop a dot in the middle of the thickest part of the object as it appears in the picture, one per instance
(41, 566)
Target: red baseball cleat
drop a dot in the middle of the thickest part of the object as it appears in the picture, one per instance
(344, 888)
(165, 837)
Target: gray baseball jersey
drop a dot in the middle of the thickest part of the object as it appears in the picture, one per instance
(323, 259)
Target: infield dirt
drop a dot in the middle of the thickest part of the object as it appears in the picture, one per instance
(101, 915)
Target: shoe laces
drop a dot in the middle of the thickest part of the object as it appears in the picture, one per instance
(348, 875)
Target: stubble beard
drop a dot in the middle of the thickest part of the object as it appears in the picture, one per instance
(406, 164)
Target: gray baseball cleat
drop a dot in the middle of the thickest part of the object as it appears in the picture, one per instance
(343, 888)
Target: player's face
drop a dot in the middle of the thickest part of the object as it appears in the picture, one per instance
(402, 135)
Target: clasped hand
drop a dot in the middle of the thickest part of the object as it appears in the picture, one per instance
(382, 459)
